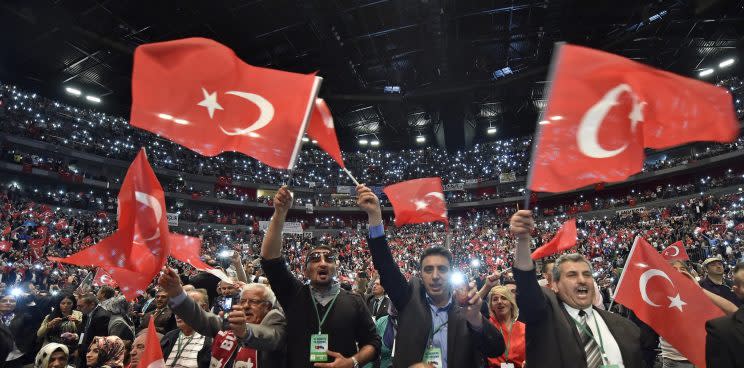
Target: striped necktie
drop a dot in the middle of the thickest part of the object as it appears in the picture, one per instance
(593, 355)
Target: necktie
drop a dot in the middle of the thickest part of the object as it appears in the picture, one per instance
(377, 306)
(593, 355)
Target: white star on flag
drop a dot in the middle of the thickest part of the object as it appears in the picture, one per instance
(676, 302)
(210, 102)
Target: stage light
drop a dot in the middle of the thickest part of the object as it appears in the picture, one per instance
(726, 63)
(363, 142)
(421, 139)
(374, 143)
(706, 72)
(491, 130)
(305, 139)
(73, 91)
(93, 99)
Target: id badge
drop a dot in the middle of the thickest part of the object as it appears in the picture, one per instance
(319, 348)
(507, 365)
(433, 356)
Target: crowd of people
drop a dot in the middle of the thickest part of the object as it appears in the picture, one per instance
(365, 294)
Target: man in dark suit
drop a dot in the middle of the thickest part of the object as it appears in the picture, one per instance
(95, 322)
(378, 301)
(564, 330)
(725, 339)
(432, 326)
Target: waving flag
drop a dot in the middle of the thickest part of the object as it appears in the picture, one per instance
(322, 130)
(603, 110)
(135, 253)
(102, 278)
(416, 201)
(676, 251)
(152, 356)
(564, 239)
(198, 93)
(666, 300)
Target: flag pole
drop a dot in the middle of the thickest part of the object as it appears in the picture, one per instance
(350, 176)
(620, 280)
(536, 139)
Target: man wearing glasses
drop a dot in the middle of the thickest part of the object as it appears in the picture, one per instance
(325, 324)
(257, 328)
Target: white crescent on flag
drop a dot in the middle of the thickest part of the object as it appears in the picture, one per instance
(675, 302)
(267, 113)
(153, 203)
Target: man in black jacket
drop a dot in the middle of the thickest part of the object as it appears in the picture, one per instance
(95, 323)
(378, 301)
(432, 326)
(725, 339)
(324, 322)
(562, 326)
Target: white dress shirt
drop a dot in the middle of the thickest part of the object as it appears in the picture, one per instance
(611, 349)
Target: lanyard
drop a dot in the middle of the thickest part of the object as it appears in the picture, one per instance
(434, 332)
(321, 321)
(179, 349)
(508, 341)
(586, 330)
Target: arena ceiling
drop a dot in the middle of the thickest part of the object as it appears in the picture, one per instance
(393, 69)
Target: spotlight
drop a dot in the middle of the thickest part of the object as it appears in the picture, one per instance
(363, 142)
(93, 99)
(73, 91)
(491, 130)
(374, 143)
(725, 63)
(421, 139)
(705, 72)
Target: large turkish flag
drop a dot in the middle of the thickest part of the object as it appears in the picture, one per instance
(198, 93)
(665, 299)
(418, 200)
(603, 110)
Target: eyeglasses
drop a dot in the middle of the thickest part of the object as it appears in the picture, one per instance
(316, 256)
(252, 301)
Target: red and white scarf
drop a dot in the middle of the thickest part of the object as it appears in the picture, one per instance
(224, 346)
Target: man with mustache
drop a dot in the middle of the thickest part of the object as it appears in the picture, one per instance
(255, 323)
(564, 330)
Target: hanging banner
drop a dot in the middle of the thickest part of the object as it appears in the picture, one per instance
(344, 189)
(630, 211)
(289, 227)
(309, 207)
(454, 186)
(507, 177)
(172, 219)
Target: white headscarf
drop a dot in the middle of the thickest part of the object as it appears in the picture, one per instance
(42, 357)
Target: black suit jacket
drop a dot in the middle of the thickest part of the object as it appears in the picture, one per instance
(552, 339)
(382, 310)
(725, 340)
(99, 321)
(465, 346)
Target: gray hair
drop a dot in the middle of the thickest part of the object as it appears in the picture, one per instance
(573, 257)
(205, 299)
(267, 292)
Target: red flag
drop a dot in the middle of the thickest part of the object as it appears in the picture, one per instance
(103, 278)
(564, 239)
(37, 247)
(136, 252)
(61, 224)
(187, 249)
(5, 246)
(198, 93)
(676, 251)
(152, 356)
(6, 230)
(418, 200)
(666, 300)
(322, 130)
(603, 110)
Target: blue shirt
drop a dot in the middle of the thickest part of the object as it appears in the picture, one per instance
(439, 316)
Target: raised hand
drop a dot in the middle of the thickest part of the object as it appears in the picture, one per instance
(282, 200)
(472, 311)
(522, 224)
(170, 282)
(236, 318)
(369, 203)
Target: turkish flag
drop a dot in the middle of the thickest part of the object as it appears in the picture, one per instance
(37, 247)
(666, 300)
(102, 278)
(564, 239)
(676, 251)
(198, 93)
(136, 252)
(603, 110)
(187, 249)
(61, 224)
(152, 356)
(5, 246)
(418, 200)
(322, 130)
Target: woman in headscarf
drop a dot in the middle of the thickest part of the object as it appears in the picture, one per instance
(106, 352)
(63, 318)
(120, 324)
(52, 355)
(503, 312)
